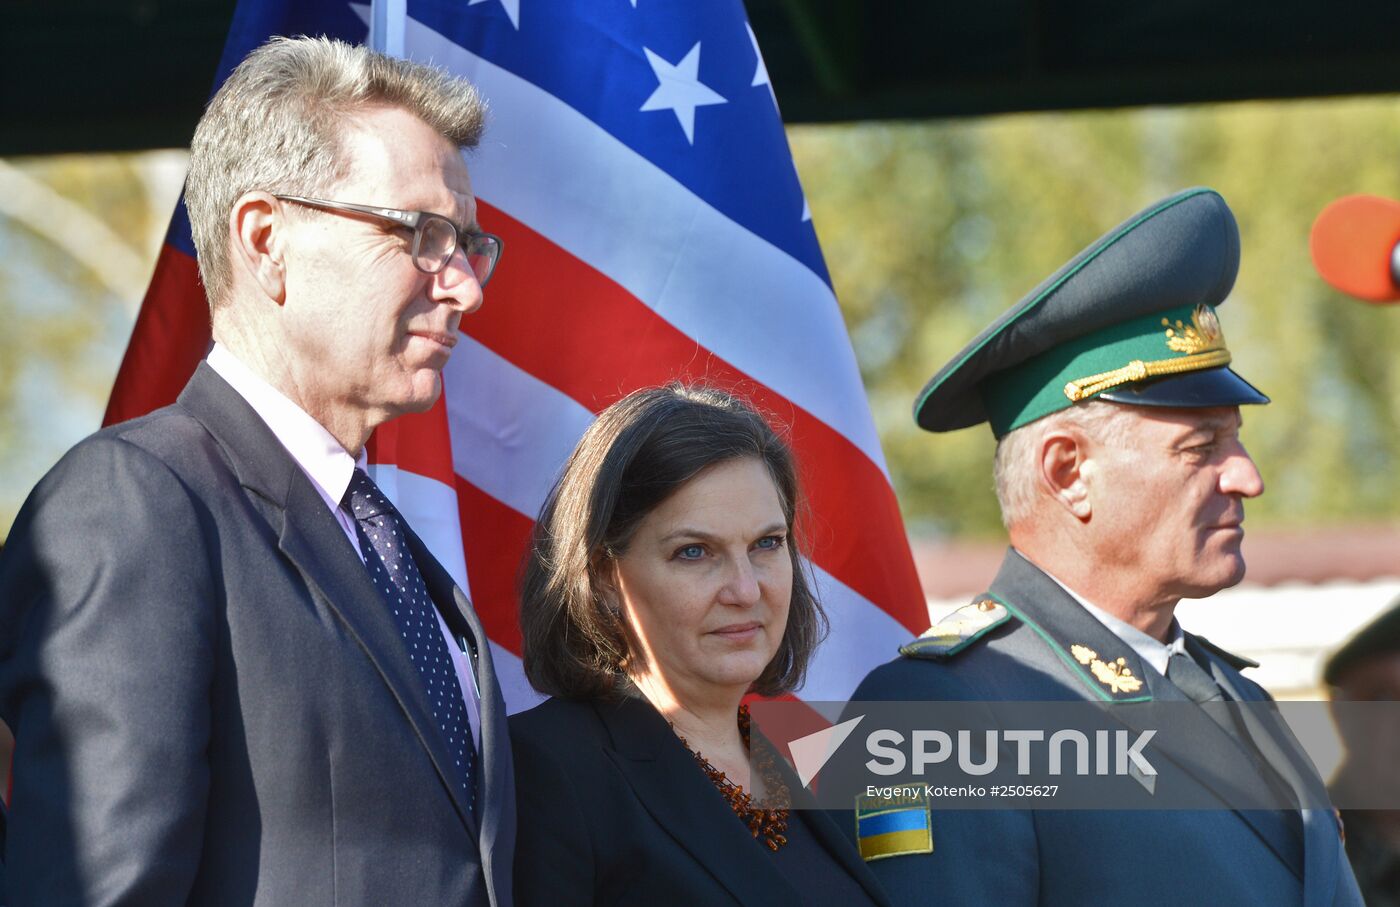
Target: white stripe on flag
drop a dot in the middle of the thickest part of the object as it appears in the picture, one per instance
(863, 636)
(511, 432)
(510, 674)
(711, 278)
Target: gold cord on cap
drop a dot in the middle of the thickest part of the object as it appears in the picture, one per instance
(1137, 370)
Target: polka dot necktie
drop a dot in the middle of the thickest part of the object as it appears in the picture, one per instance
(396, 577)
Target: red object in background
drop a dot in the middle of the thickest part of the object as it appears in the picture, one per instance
(1353, 245)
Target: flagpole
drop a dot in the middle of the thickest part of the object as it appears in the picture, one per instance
(386, 21)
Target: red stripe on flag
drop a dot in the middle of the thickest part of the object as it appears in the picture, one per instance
(494, 538)
(577, 330)
(170, 337)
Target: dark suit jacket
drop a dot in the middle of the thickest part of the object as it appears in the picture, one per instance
(1169, 857)
(614, 810)
(210, 702)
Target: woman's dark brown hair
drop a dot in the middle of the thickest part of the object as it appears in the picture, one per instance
(639, 452)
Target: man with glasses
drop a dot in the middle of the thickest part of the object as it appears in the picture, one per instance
(234, 674)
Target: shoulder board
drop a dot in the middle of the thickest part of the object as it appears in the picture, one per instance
(1235, 661)
(957, 631)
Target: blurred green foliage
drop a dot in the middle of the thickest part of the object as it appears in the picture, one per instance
(932, 229)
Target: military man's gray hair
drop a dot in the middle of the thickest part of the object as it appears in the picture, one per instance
(1017, 467)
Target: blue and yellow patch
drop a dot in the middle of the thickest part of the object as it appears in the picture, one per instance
(893, 827)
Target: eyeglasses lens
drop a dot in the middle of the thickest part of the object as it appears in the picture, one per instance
(437, 240)
(482, 252)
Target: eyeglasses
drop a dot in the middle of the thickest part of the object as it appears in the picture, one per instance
(435, 238)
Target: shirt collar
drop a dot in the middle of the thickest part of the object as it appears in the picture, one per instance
(315, 450)
(1150, 650)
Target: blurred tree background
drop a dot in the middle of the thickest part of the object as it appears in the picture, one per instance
(930, 230)
(79, 236)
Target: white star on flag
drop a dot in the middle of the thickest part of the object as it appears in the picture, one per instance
(512, 8)
(760, 72)
(680, 89)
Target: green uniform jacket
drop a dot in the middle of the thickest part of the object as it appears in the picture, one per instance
(1031, 650)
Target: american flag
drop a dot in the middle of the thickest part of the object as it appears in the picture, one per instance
(636, 166)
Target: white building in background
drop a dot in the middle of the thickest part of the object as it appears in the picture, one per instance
(1290, 628)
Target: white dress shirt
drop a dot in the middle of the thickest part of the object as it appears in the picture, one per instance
(330, 468)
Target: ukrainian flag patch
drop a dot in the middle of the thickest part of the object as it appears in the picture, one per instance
(893, 826)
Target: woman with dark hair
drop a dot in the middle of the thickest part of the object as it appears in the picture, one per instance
(662, 586)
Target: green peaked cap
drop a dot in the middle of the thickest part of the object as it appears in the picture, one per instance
(1130, 319)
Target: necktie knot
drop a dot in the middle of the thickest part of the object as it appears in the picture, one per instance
(1192, 679)
(363, 500)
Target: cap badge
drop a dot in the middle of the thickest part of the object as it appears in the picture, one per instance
(1116, 675)
(1201, 335)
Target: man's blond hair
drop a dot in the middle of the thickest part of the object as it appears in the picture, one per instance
(277, 124)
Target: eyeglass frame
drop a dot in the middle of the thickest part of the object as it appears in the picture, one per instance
(411, 220)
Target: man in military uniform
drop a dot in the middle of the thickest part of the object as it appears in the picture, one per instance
(1122, 482)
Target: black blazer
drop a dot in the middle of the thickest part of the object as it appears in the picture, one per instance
(211, 704)
(613, 810)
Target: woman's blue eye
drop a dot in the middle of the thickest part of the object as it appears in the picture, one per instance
(691, 552)
(769, 542)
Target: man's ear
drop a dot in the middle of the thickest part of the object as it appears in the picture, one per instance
(257, 243)
(1065, 468)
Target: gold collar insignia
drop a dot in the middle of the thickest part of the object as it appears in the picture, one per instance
(1116, 675)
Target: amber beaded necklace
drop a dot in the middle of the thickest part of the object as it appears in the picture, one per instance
(766, 825)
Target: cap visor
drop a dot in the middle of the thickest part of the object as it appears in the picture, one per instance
(1191, 390)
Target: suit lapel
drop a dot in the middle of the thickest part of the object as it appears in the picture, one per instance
(313, 541)
(824, 829)
(1103, 663)
(673, 790)
(1323, 858)
(495, 782)
(1321, 844)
